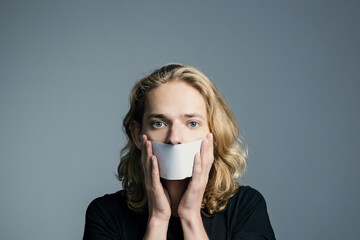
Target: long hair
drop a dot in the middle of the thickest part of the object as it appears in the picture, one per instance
(230, 153)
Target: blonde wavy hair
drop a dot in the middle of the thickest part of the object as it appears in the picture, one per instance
(230, 153)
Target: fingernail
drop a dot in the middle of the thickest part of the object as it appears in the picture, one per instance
(147, 143)
(211, 136)
(206, 141)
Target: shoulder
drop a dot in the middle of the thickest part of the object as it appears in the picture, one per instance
(245, 217)
(108, 217)
(102, 221)
(250, 211)
(107, 202)
(248, 191)
(101, 214)
(247, 199)
(246, 194)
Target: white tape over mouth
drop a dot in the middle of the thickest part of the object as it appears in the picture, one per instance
(176, 161)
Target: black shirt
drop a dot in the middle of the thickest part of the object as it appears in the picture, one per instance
(245, 217)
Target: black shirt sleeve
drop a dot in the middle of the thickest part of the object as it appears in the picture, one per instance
(109, 218)
(98, 223)
(252, 220)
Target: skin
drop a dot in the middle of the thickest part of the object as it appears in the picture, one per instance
(175, 113)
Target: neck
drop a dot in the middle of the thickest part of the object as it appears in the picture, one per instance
(176, 189)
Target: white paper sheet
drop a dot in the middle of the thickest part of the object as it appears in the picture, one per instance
(176, 161)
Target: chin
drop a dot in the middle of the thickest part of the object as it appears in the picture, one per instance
(181, 182)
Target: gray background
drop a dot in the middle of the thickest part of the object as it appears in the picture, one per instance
(288, 69)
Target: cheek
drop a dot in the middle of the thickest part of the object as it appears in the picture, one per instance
(205, 132)
(194, 135)
(155, 135)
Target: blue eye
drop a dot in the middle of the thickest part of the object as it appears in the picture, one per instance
(193, 124)
(158, 124)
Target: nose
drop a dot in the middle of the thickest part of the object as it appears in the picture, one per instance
(175, 134)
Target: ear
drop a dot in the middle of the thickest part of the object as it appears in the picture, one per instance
(136, 135)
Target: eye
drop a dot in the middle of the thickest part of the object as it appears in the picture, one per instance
(193, 124)
(158, 124)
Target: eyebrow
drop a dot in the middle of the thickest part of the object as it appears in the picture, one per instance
(156, 115)
(186, 115)
(196, 115)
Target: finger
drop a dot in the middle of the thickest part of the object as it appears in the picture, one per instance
(149, 149)
(155, 170)
(143, 147)
(148, 155)
(197, 168)
(207, 154)
(204, 151)
(155, 175)
(145, 156)
(144, 139)
(211, 148)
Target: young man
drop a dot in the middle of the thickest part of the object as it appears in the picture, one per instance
(178, 104)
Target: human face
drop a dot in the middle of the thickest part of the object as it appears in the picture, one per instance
(175, 113)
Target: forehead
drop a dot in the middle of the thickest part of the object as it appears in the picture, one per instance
(175, 98)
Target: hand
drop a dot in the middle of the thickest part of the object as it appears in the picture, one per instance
(158, 197)
(190, 204)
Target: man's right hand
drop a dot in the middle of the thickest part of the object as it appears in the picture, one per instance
(157, 196)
